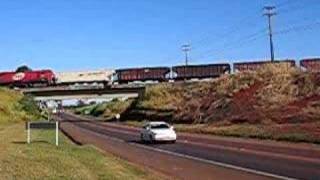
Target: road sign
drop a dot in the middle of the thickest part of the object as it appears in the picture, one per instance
(42, 125)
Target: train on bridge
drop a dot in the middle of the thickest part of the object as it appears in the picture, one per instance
(103, 78)
(28, 78)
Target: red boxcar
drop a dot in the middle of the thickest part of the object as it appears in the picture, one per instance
(142, 74)
(312, 65)
(200, 71)
(252, 66)
(28, 78)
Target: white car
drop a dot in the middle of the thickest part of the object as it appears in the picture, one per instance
(158, 131)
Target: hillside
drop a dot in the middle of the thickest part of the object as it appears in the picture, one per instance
(275, 102)
(106, 110)
(14, 107)
(68, 161)
(273, 94)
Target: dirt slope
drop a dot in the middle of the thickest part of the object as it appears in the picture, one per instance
(273, 94)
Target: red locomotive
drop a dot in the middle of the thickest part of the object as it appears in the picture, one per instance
(27, 78)
(312, 65)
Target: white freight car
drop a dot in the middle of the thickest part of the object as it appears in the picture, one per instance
(91, 78)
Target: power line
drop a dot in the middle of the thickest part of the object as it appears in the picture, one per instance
(230, 31)
(269, 12)
(245, 38)
(285, 3)
(280, 32)
(238, 46)
(284, 31)
(303, 19)
(224, 38)
(241, 41)
(299, 28)
(236, 27)
(297, 7)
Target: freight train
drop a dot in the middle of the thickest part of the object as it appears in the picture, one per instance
(176, 73)
(252, 66)
(132, 75)
(311, 64)
(95, 78)
(200, 71)
(158, 74)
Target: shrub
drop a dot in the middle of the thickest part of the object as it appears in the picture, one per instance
(15, 107)
(30, 106)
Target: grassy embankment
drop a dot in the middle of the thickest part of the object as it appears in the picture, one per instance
(276, 102)
(42, 159)
(294, 133)
(15, 107)
(106, 110)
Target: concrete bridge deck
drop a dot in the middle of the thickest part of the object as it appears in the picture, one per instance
(63, 93)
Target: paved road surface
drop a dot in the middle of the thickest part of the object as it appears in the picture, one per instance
(193, 157)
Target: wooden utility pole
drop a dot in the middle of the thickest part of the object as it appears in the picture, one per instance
(269, 12)
(186, 48)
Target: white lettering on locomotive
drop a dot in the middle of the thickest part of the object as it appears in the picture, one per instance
(18, 76)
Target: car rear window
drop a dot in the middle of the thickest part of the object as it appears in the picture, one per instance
(160, 126)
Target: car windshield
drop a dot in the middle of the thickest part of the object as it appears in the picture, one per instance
(159, 126)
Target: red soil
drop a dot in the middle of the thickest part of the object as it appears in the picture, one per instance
(304, 102)
(293, 112)
(243, 105)
(246, 96)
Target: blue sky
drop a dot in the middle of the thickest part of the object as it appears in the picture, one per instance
(94, 34)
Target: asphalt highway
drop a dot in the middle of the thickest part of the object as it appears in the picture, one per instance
(260, 160)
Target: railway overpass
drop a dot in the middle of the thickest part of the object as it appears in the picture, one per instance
(67, 93)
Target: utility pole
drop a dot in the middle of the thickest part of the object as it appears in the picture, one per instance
(186, 48)
(269, 12)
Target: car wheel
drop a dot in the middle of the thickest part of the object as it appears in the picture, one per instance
(141, 138)
(151, 140)
(173, 141)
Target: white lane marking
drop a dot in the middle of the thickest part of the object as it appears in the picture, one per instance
(252, 151)
(215, 162)
(220, 147)
(225, 165)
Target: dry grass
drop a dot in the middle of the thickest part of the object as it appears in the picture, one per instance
(274, 132)
(42, 160)
(284, 85)
(275, 86)
(163, 96)
(105, 110)
(14, 107)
